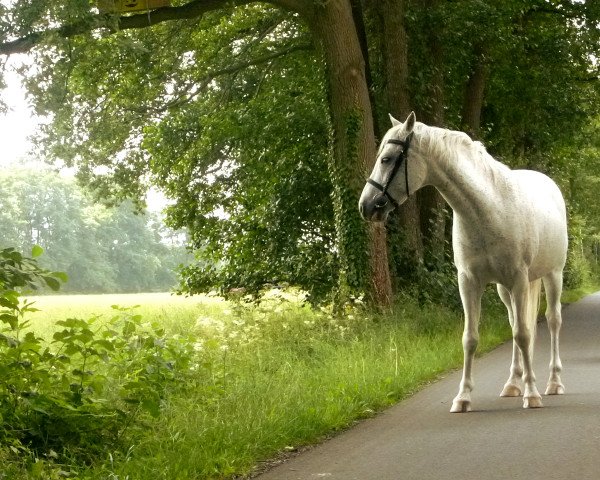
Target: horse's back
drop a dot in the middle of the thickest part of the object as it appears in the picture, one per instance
(541, 198)
(541, 187)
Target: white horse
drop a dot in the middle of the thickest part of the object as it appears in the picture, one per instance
(509, 228)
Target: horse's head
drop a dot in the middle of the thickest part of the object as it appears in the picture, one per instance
(393, 177)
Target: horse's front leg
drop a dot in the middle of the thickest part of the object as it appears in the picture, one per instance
(471, 290)
(525, 304)
(512, 387)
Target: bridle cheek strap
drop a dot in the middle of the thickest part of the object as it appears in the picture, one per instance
(383, 190)
(402, 158)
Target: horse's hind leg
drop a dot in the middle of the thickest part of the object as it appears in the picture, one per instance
(553, 287)
(512, 387)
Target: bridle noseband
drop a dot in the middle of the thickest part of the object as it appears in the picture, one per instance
(401, 158)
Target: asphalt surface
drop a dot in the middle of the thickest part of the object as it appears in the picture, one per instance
(419, 439)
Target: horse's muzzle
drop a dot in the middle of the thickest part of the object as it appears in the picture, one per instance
(375, 209)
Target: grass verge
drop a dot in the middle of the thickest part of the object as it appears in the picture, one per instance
(279, 376)
(269, 379)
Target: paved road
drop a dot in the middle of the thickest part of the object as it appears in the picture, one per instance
(419, 440)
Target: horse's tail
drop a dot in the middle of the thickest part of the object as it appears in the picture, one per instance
(533, 305)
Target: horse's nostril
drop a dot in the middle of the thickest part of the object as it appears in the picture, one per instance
(381, 202)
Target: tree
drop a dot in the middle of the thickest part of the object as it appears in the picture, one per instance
(262, 214)
(353, 143)
(101, 250)
(166, 96)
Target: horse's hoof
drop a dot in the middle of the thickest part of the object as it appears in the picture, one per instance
(461, 406)
(511, 390)
(532, 402)
(555, 389)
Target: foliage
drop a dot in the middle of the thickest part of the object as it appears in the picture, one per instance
(87, 392)
(577, 270)
(18, 271)
(258, 215)
(228, 113)
(199, 105)
(255, 380)
(101, 249)
(579, 168)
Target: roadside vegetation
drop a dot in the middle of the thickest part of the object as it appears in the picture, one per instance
(198, 388)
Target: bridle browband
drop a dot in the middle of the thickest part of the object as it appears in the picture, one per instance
(401, 158)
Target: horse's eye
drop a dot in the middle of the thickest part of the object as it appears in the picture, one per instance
(385, 159)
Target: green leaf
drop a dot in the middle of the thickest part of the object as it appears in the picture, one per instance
(72, 323)
(36, 251)
(52, 282)
(152, 406)
(62, 276)
(12, 320)
(9, 302)
(108, 345)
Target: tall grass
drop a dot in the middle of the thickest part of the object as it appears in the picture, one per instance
(274, 377)
(173, 311)
(264, 379)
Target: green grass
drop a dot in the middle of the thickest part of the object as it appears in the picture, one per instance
(571, 296)
(174, 311)
(272, 378)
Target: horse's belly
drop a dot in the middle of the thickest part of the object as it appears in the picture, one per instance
(501, 260)
(551, 257)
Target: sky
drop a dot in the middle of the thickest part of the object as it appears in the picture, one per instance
(16, 124)
(19, 122)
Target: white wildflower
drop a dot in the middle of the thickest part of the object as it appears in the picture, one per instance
(204, 322)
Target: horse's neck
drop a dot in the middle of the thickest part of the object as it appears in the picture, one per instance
(468, 178)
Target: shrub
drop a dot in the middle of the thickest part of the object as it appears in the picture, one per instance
(577, 270)
(91, 388)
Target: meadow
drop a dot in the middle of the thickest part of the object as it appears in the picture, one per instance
(255, 381)
(175, 312)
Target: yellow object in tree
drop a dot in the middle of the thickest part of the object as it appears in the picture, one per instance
(124, 6)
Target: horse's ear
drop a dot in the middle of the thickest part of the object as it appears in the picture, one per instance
(409, 125)
(394, 121)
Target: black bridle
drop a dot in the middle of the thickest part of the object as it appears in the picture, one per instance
(398, 161)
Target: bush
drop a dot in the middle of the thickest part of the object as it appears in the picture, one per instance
(91, 388)
(577, 270)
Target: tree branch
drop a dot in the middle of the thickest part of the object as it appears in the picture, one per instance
(191, 10)
(257, 60)
(201, 84)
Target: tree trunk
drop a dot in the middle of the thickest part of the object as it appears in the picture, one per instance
(474, 93)
(359, 22)
(431, 203)
(353, 153)
(406, 238)
(395, 52)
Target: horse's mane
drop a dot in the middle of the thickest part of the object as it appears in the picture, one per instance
(451, 144)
